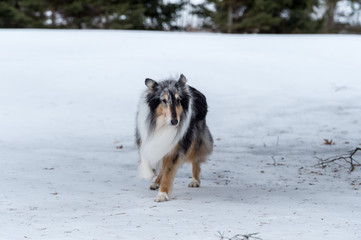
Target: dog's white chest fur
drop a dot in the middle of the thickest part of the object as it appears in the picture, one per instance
(161, 142)
(156, 145)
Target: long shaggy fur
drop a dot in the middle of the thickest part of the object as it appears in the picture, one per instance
(171, 129)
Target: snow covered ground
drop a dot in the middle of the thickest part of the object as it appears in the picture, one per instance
(68, 100)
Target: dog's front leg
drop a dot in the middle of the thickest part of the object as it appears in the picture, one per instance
(170, 166)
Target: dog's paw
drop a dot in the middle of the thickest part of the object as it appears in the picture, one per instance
(162, 197)
(194, 183)
(154, 186)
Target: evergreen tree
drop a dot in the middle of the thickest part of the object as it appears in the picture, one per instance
(22, 14)
(219, 15)
(264, 16)
(283, 16)
(82, 13)
(115, 14)
(160, 15)
(123, 15)
(142, 14)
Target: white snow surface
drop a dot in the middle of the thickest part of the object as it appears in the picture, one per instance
(68, 99)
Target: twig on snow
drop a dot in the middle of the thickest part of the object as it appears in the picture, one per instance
(347, 158)
(239, 237)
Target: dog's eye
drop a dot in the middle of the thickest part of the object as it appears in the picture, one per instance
(164, 101)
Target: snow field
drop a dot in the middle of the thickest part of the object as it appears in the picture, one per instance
(68, 99)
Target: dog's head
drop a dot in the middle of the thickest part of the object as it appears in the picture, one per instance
(168, 100)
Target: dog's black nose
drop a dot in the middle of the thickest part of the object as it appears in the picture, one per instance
(174, 121)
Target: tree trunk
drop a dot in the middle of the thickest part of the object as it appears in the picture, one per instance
(53, 18)
(230, 18)
(330, 13)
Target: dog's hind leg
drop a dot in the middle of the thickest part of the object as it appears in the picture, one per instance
(156, 184)
(196, 169)
(193, 155)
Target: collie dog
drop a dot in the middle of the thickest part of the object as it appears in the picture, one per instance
(171, 129)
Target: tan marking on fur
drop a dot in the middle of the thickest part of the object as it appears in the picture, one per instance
(169, 170)
(192, 153)
(159, 112)
(179, 111)
(164, 112)
(165, 96)
(176, 95)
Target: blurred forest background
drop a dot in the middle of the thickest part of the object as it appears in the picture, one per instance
(227, 16)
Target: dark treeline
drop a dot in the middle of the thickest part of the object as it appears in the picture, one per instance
(93, 14)
(229, 16)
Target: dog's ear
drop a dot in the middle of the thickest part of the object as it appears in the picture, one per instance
(182, 80)
(150, 83)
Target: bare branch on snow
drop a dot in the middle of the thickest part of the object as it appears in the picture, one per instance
(346, 158)
(240, 237)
